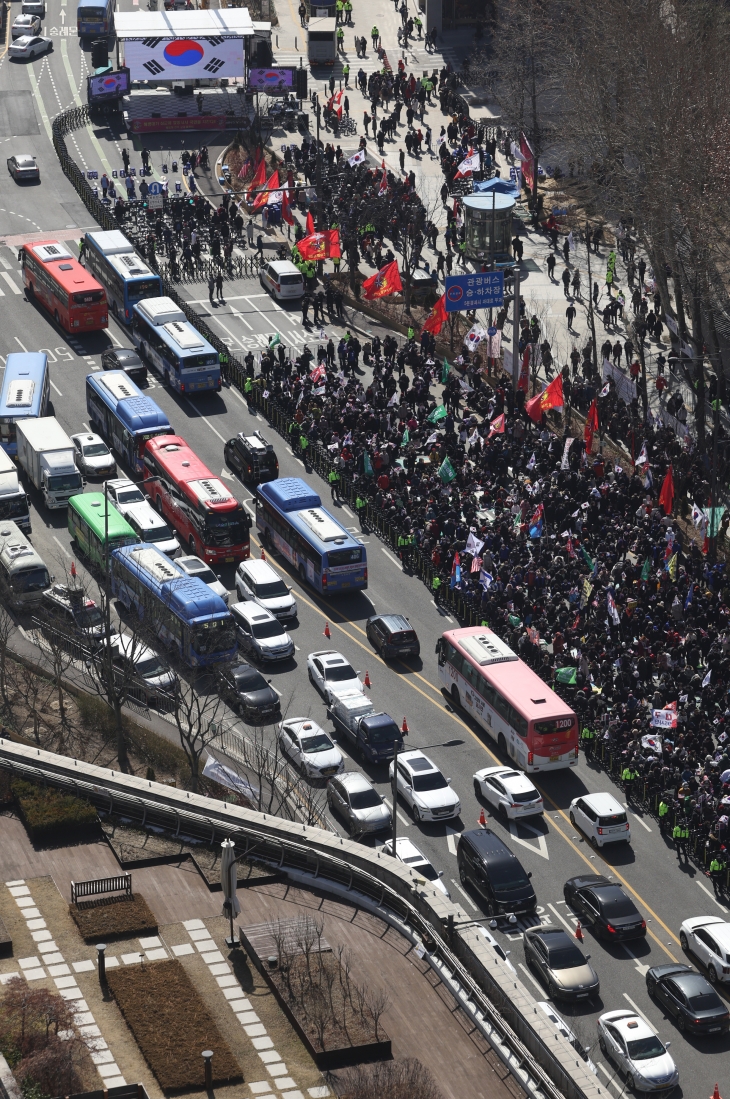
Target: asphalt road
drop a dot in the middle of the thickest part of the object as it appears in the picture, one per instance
(550, 848)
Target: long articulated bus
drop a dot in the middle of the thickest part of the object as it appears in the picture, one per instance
(126, 277)
(67, 290)
(209, 519)
(291, 518)
(181, 610)
(95, 17)
(169, 343)
(126, 418)
(97, 530)
(24, 395)
(520, 712)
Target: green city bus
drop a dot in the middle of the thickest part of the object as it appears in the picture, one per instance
(87, 526)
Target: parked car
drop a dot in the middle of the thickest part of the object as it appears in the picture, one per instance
(248, 692)
(23, 168)
(560, 1024)
(309, 748)
(605, 906)
(601, 818)
(408, 853)
(392, 635)
(685, 994)
(331, 674)
(424, 788)
(281, 279)
(193, 566)
(126, 359)
(261, 635)
(633, 1045)
(257, 581)
(708, 938)
(26, 26)
(29, 46)
(508, 792)
(253, 457)
(495, 873)
(561, 963)
(93, 457)
(354, 798)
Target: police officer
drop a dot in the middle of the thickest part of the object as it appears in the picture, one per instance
(663, 815)
(405, 547)
(334, 479)
(717, 871)
(628, 775)
(436, 588)
(360, 507)
(680, 835)
(588, 739)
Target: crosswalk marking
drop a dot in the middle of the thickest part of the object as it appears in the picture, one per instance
(16, 289)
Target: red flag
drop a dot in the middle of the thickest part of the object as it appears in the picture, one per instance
(591, 425)
(320, 246)
(666, 496)
(524, 379)
(310, 224)
(436, 318)
(258, 180)
(384, 282)
(383, 182)
(497, 426)
(272, 184)
(552, 397)
(286, 213)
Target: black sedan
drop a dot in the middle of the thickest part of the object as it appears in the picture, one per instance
(604, 906)
(126, 359)
(687, 996)
(392, 635)
(249, 693)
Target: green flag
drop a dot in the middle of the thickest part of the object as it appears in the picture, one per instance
(514, 620)
(406, 438)
(714, 518)
(444, 373)
(367, 465)
(646, 569)
(447, 473)
(275, 340)
(439, 413)
(566, 675)
(585, 557)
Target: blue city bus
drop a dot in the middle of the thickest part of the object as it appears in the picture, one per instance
(94, 17)
(291, 518)
(126, 418)
(184, 613)
(24, 395)
(170, 344)
(126, 278)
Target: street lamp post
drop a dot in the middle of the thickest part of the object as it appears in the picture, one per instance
(394, 781)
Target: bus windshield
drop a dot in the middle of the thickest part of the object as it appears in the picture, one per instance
(226, 530)
(213, 637)
(35, 579)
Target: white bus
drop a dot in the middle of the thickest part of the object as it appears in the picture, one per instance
(23, 573)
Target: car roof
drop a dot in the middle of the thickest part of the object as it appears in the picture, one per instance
(603, 802)
(260, 570)
(130, 647)
(24, 158)
(122, 482)
(488, 844)
(284, 267)
(88, 437)
(191, 564)
(252, 612)
(406, 849)
(394, 622)
(354, 781)
(302, 725)
(585, 881)
(632, 1026)
(721, 932)
(143, 510)
(545, 932)
(417, 762)
(125, 353)
(516, 780)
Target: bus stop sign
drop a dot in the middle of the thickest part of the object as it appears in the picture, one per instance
(480, 290)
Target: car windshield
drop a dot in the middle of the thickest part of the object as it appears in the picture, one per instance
(423, 869)
(433, 781)
(161, 533)
(272, 590)
(319, 743)
(206, 575)
(263, 630)
(150, 667)
(250, 680)
(365, 799)
(644, 1049)
(95, 450)
(506, 878)
(35, 579)
(130, 496)
(339, 673)
(616, 905)
(89, 618)
(384, 734)
(565, 957)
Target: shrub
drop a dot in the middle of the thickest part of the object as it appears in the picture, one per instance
(106, 918)
(50, 815)
(408, 1079)
(39, 1041)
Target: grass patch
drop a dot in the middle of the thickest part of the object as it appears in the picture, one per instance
(148, 746)
(50, 816)
(103, 919)
(171, 1025)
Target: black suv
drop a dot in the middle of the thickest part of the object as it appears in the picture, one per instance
(392, 635)
(248, 692)
(605, 906)
(252, 457)
(490, 868)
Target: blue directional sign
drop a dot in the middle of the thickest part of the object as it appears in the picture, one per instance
(482, 290)
(155, 189)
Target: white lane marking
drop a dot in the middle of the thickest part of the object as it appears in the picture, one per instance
(226, 475)
(297, 648)
(205, 420)
(21, 345)
(290, 451)
(446, 616)
(563, 921)
(401, 818)
(450, 841)
(116, 341)
(77, 100)
(6, 265)
(249, 509)
(301, 463)
(61, 547)
(239, 314)
(391, 557)
(711, 895)
(465, 895)
(640, 968)
(39, 102)
(275, 689)
(638, 1010)
(16, 289)
(220, 323)
(56, 389)
(345, 507)
(541, 849)
(235, 393)
(637, 817)
(84, 424)
(527, 973)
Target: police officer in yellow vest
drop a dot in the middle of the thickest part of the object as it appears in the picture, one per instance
(360, 506)
(588, 739)
(628, 777)
(405, 548)
(436, 588)
(334, 479)
(663, 815)
(680, 835)
(717, 872)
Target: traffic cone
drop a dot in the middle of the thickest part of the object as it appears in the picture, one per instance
(327, 630)
(73, 569)
(716, 1093)
(579, 932)
(482, 822)
(367, 678)
(263, 555)
(404, 727)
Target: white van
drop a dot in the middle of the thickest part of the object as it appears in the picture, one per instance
(601, 818)
(256, 581)
(33, 7)
(281, 279)
(321, 41)
(151, 527)
(23, 573)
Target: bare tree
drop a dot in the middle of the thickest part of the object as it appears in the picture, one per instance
(197, 716)
(7, 629)
(408, 1079)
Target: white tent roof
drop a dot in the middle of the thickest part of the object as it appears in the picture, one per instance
(221, 22)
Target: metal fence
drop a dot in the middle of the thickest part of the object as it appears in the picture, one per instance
(201, 270)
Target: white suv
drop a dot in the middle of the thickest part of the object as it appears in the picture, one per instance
(708, 938)
(257, 581)
(424, 788)
(151, 527)
(261, 635)
(601, 818)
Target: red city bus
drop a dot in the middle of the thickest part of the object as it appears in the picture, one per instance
(67, 290)
(209, 519)
(529, 722)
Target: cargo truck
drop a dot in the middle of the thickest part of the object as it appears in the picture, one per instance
(374, 735)
(46, 454)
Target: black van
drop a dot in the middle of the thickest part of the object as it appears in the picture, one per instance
(490, 868)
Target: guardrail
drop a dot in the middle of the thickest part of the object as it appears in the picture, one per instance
(484, 985)
(237, 267)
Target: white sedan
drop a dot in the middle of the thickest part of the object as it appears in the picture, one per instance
(634, 1047)
(309, 748)
(29, 46)
(409, 854)
(331, 674)
(508, 792)
(93, 456)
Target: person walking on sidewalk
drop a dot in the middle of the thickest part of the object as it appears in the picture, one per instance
(551, 267)
(566, 281)
(570, 315)
(219, 285)
(375, 35)
(211, 288)
(576, 284)
(302, 14)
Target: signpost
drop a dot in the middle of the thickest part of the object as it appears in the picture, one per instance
(480, 290)
(155, 195)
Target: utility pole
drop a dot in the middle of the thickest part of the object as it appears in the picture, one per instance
(320, 213)
(591, 315)
(516, 328)
(714, 524)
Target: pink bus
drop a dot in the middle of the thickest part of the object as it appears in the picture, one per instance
(529, 722)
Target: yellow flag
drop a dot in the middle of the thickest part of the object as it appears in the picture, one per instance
(672, 570)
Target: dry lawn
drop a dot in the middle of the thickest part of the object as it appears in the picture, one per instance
(108, 918)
